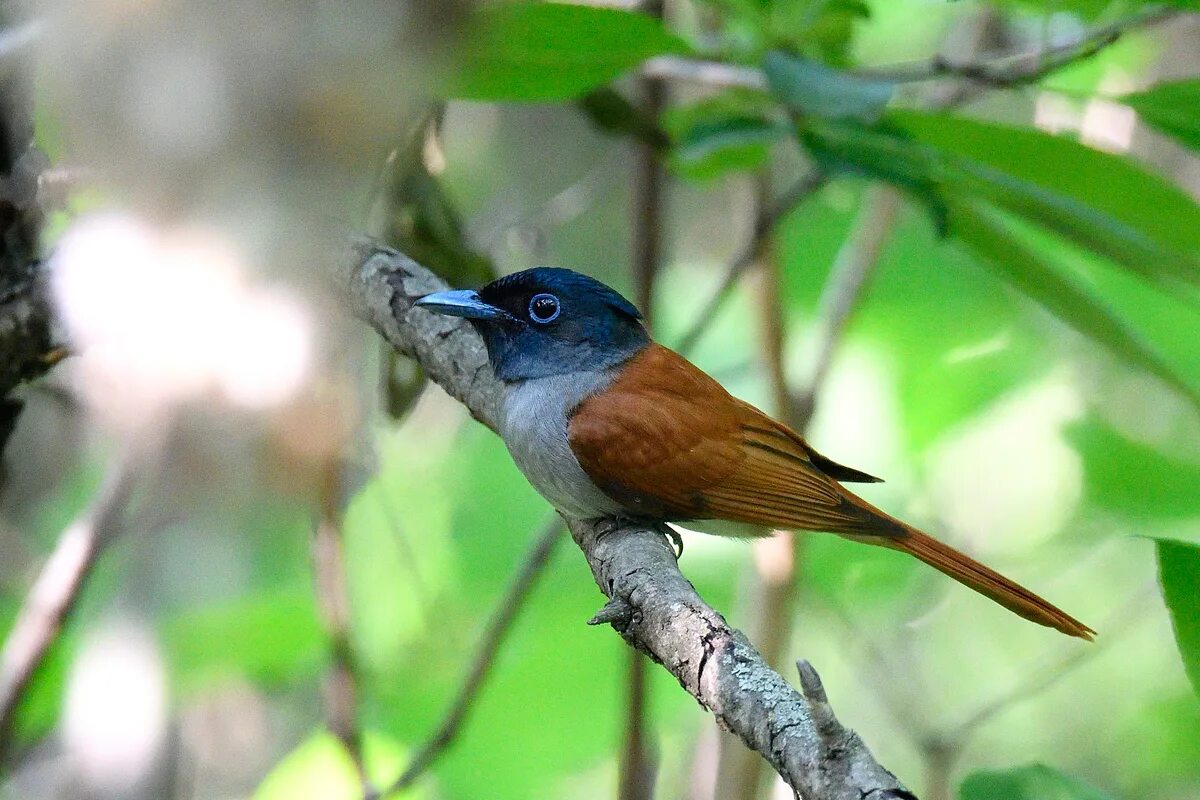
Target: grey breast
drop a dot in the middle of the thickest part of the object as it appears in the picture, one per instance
(534, 428)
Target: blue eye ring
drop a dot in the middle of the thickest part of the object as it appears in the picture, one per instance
(545, 301)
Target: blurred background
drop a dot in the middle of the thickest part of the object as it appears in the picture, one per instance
(271, 520)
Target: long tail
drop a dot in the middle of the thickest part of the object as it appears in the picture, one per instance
(986, 581)
(877, 527)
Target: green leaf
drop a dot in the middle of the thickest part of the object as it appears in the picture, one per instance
(1034, 782)
(714, 147)
(611, 113)
(1173, 108)
(320, 769)
(988, 234)
(553, 51)
(1132, 478)
(816, 90)
(1102, 201)
(1179, 574)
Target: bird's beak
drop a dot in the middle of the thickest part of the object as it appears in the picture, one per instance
(461, 303)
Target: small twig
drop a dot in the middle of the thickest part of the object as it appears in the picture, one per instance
(57, 588)
(1001, 73)
(1039, 679)
(506, 612)
(715, 74)
(848, 278)
(763, 227)
(1030, 67)
(329, 578)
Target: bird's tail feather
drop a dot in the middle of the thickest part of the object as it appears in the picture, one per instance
(986, 581)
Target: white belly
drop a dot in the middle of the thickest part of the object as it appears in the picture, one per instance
(534, 428)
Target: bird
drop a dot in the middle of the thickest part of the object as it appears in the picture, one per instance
(607, 424)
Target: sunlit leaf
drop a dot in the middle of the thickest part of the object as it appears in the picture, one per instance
(1034, 782)
(1173, 108)
(1100, 200)
(1179, 574)
(320, 769)
(1132, 478)
(553, 51)
(985, 231)
(814, 89)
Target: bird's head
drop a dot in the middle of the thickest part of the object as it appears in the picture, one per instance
(547, 321)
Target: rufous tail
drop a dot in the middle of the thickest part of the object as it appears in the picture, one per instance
(986, 581)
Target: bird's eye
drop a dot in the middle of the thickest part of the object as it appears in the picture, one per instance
(544, 308)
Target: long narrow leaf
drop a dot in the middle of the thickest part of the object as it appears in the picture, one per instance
(1102, 201)
(553, 51)
(984, 230)
(1173, 108)
(1179, 574)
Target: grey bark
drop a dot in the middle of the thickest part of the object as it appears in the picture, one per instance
(650, 603)
(25, 327)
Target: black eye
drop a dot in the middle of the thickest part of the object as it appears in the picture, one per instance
(544, 308)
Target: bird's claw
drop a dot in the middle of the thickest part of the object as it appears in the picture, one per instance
(673, 537)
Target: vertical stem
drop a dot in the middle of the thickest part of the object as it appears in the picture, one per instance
(329, 575)
(773, 583)
(939, 760)
(637, 766)
(648, 181)
(851, 270)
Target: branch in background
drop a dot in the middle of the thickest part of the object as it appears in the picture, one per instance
(1028, 67)
(510, 606)
(714, 74)
(651, 604)
(329, 577)
(999, 73)
(763, 227)
(57, 588)
(848, 278)
(637, 763)
(942, 749)
(25, 327)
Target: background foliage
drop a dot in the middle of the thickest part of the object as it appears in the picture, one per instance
(1023, 367)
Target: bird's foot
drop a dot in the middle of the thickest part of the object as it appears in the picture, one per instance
(673, 537)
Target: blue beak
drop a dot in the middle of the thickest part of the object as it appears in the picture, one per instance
(461, 303)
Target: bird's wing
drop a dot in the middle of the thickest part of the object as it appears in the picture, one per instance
(668, 441)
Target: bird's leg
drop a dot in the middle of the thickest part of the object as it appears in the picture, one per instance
(672, 536)
(609, 525)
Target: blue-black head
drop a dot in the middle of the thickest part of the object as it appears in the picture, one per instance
(547, 321)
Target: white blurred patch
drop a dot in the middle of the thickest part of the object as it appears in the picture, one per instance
(1007, 478)
(160, 317)
(1102, 124)
(115, 719)
(1054, 113)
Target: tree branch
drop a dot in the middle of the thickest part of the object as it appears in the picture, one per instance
(848, 277)
(481, 665)
(1000, 73)
(58, 586)
(804, 188)
(329, 578)
(1030, 67)
(653, 606)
